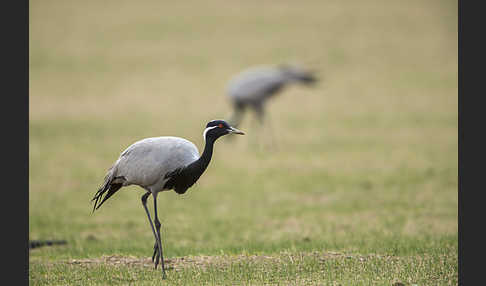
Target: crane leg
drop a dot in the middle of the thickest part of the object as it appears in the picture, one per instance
(235, 118)
(268, 132)
(144, 203)
(267, 140)
(159, 242)
(238, 109)
(260, 123)
(260, 114)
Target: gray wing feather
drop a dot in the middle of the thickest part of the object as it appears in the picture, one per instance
(146, 162)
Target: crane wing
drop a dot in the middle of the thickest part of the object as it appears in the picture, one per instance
(147, 161)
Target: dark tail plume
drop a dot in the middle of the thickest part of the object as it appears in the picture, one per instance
(107, 189)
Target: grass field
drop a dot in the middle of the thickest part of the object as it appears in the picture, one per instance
(361, 188)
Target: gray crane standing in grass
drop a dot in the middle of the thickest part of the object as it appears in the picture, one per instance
(161, 164)
(253, 87)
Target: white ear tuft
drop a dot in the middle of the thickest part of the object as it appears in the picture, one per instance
(206, 130)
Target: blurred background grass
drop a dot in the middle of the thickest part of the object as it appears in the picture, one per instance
(366, 160)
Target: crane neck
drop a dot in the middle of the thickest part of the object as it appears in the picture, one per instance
(199, 166)
(207, 153)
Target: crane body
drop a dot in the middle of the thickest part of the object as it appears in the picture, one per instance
(159, 164)
(253, 87)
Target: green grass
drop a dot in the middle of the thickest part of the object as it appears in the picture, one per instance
(360, 190)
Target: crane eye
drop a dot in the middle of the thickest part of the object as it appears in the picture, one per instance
(220, 125)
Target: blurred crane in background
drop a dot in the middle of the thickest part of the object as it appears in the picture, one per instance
(252, 88)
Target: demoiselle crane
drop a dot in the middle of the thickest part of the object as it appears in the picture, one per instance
(161, 164)
(253, 87)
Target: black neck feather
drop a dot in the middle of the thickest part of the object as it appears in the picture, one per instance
(182, 179)
(199, 166)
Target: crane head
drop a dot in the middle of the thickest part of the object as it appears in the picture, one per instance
(217, 128)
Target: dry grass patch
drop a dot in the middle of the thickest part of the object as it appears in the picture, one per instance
(224, 261)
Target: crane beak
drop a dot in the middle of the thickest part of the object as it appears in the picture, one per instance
(235, 131)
